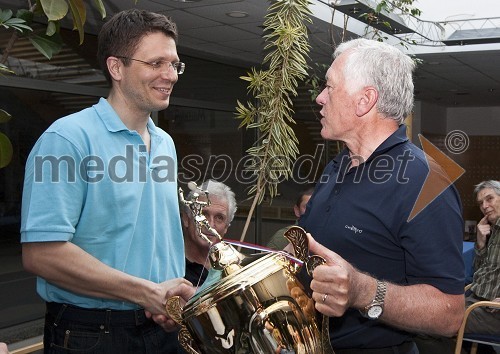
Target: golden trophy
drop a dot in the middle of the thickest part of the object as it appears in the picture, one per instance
(250, 303)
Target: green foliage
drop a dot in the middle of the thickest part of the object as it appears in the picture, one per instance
(5, 70)
(47, 45)
(4, 116)
(287, 50)
(6, 149)
(316, 79)
(399, 7)
(8, 21)
(54, 11)
(402, 7)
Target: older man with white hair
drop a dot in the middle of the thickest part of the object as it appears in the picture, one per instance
(219, 214)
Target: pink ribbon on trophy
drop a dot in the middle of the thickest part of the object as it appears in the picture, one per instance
(255, 247)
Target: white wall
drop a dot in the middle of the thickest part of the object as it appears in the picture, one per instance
(434, 119)
(474, 121)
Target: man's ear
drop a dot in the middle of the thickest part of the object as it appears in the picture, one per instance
(114, 67)
(367, 99)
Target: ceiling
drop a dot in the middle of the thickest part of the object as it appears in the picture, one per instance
(461, 78)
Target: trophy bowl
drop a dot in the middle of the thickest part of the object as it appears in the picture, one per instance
(253, 304)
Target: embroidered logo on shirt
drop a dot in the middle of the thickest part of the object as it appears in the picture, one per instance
(354, 229)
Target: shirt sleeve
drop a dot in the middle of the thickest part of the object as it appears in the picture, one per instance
(433, 244)
(53, 191)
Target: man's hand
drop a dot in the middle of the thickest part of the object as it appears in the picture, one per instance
(175, 287)
(337, 285)
(482, 233)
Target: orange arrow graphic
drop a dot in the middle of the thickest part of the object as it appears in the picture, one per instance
(443, 172)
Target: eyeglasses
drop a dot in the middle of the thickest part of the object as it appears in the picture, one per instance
(159, 64)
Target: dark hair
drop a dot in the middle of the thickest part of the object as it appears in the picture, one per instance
(121, 34)
(303, 192)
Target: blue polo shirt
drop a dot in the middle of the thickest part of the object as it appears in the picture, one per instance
(90, 180)
(363, 215)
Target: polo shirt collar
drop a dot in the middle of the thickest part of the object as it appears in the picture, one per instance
(112, 121)
(108, 116)
(396, 138)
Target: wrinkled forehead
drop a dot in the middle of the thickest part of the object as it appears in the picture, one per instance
(215, 201)
(485, 193)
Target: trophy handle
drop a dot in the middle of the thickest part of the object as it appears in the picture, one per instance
(186, 341)
(298, 238)
(174, 311)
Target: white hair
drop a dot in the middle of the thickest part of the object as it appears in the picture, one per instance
(387, 69)
(221, 191)
(495, 185)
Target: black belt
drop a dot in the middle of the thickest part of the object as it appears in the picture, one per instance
(405, 347)
(96, 316)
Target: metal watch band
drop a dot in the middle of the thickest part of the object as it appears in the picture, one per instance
(377, 301)
(380, 294)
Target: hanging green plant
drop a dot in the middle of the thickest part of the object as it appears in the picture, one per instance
(287, 49)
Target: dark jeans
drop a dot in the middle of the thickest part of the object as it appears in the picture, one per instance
(71, 329)
(432, 344)
(405, 348)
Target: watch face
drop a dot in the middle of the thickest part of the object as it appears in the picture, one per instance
(374, 311)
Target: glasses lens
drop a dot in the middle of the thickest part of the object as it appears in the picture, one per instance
(179, 67)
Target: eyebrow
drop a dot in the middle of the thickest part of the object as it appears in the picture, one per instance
(485, 197)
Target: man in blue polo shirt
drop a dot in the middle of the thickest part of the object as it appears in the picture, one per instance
(388, 273)
(100, 216)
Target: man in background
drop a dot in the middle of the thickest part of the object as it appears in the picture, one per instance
(219, 214)
(486, 281)
(278, 241)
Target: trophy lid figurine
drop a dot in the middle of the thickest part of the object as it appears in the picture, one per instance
(250, 303)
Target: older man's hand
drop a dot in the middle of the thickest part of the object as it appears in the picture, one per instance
(482, 233)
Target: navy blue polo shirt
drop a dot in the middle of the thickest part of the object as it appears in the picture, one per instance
(363, 213)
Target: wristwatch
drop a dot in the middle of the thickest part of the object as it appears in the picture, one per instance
(375, 309)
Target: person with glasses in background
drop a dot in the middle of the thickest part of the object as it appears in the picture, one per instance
(100, 215)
